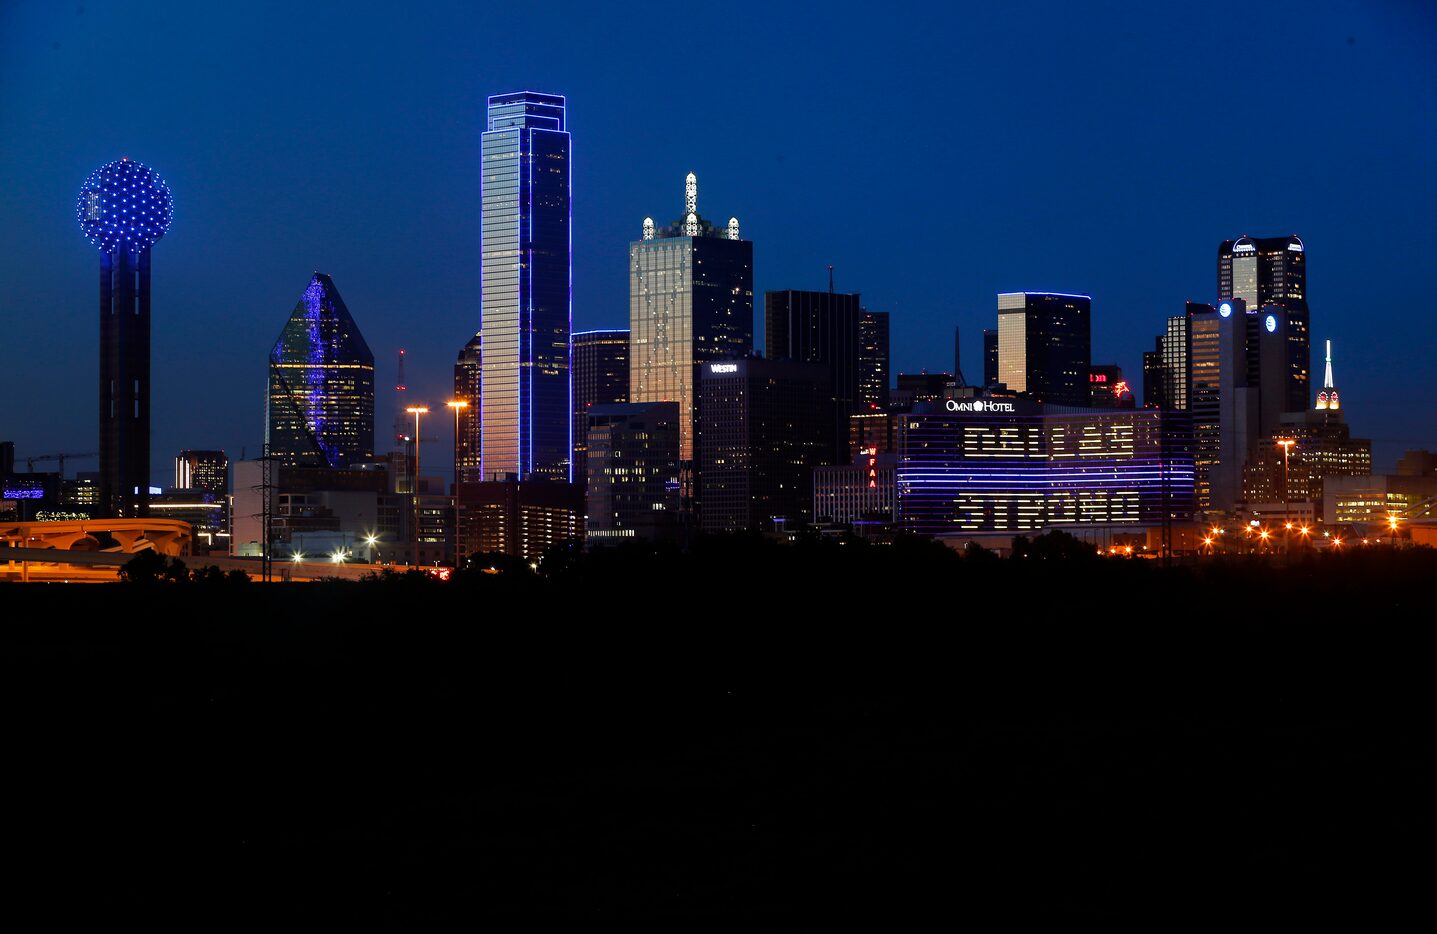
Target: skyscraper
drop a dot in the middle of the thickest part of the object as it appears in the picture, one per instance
(690, 302)
(468, 388)
(123, 208)
(601, 375)
(822, 328)
(1273, 271)
(990, 356)
(1322, 447)
(1166, 374)
(874, 370)
(320, 410)
(1045, 345)
(526, 288)
(1205, 365)
(202, 470)
(633, 482)
(766, 425)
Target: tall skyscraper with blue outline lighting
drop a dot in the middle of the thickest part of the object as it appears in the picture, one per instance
(526, 291)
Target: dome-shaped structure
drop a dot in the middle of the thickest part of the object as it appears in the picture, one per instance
(124, 203)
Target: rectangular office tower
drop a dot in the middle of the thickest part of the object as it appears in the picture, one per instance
(690, 303)
(874, 368)
(1273, 271)
(469, 389)
(1045, 346)
(208, 471)
(601, 375)
(526, 289)
(1238, 362)
(633, 481)
(822, 328)
(990, 357)
(766, 425)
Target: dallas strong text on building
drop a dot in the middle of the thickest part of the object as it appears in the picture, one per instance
(1009, 466)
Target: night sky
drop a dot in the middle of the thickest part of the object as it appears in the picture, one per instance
(935, 156)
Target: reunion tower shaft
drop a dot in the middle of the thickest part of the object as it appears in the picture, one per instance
(124, 207)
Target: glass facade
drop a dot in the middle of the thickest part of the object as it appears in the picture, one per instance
(469, 389)
(822, 328)
(524, 321)
(1045, 345)
(874, 368)
(690, 302)
(1273, 271)
(320, 410)
(601, 375)
(1020, 467)
(203, 470)
(1204, 395)
(766, 425)
(633, 462)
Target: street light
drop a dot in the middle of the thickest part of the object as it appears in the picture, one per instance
(1286, 445)
(416, 411)
(370, 541)
(458, 405)
(1392, 525)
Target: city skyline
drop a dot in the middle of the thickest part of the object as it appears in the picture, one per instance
(416, 284)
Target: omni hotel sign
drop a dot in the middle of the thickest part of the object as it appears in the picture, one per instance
(978, 405)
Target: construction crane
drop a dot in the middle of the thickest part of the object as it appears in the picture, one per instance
(30, 462)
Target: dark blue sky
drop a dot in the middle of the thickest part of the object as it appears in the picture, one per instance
(934, 154)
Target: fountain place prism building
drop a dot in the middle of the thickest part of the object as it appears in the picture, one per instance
(320, 408)
(525, 243)
(123, 208)
(690, 303)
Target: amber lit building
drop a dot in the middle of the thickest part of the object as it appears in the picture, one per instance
(876, 431)
(203, 470)
(517, 518)
(1322, 447)
(469, 389)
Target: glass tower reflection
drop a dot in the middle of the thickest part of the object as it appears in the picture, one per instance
(320, 410)
(525, 316)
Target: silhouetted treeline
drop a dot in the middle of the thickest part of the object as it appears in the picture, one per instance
(743, 732)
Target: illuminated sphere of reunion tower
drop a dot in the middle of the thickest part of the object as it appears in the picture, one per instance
(123, 208)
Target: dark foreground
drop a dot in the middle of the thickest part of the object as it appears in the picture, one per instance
(887, 737)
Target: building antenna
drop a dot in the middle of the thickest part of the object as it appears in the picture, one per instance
(830, 278)
(400, 394)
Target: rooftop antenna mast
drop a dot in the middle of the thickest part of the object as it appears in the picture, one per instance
(830, 278)
(400, 394)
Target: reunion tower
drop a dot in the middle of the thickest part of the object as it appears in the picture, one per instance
(124, 207)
